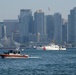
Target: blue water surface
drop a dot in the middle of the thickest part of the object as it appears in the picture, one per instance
(40, 63)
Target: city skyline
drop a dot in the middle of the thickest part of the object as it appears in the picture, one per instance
(50, 26)
(40, 24)
(10, 9)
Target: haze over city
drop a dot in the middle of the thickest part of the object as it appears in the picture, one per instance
(9, 9)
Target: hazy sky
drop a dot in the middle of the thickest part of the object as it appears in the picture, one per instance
(10, 9)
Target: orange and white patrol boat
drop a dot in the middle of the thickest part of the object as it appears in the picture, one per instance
(13, 54)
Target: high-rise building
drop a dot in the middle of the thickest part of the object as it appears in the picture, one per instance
(50, 27)
(64, 31)
(72, 26)
(25, 21)
(1, 30)
(40, 26)
(12, 26)
(57, 28)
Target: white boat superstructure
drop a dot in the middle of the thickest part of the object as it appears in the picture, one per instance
(50, 47)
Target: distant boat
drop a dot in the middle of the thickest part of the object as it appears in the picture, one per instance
(13, 54)
(50, 47)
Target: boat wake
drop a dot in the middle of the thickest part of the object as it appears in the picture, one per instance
(33, 57)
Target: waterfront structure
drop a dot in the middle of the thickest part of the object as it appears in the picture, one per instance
(50, 27)
(72, 26)
(57, 28)
(7, 42)
(25, 19)
(4, 40)
(40, 26)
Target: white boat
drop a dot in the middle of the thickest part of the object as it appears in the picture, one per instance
(50, 47)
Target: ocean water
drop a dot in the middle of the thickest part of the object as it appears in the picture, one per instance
(40, 63)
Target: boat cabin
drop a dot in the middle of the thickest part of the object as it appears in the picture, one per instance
(13, 52)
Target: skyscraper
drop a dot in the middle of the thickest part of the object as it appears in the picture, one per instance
(1, 30)
(11, 26)
(40, 25)
(50, 27)
(64, 31)
(24, 21)
(72, 26)
(58, 28)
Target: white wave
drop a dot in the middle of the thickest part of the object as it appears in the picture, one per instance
(34, 57)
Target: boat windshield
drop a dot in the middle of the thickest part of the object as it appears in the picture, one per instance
(14, 51)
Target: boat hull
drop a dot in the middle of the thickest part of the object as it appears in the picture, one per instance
(13, 56)
(49, 48)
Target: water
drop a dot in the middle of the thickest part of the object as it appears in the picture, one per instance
(40, 63)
